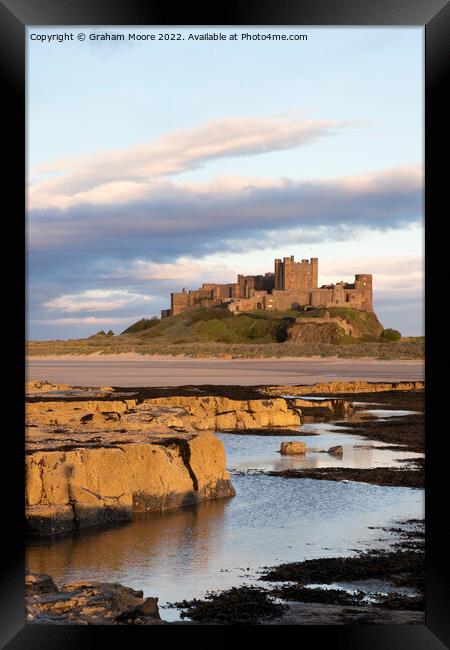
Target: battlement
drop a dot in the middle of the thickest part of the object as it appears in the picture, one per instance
(292, 285)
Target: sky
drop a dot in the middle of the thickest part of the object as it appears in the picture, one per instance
(154, 165)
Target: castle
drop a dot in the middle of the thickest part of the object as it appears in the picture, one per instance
(291, 285)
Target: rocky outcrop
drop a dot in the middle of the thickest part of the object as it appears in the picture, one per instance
(95, 456)
(292, 448)
(69, 411)
(336, 451)
(322, 409)
(222, 413)
(343, 387)
(181, 412)
(330, 326)
(87, 603)
(42, 386)
(74, 482)
(316, 332)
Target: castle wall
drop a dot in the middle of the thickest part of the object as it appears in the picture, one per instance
(179, 302)
(223, 291)
(283, 300)
(292, 285)
(319, 297)
(259, 300)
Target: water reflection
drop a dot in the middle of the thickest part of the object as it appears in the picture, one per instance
(191, 533)
(261, 452)
(215, 545)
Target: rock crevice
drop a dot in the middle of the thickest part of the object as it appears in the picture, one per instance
(93, 486)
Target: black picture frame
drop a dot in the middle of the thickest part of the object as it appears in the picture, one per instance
(15, 15)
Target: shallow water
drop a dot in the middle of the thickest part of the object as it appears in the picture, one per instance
(367, 586)
(261, 452)
(215, 545)
(385, 414)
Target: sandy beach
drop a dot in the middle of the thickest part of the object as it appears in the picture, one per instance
(132, 369)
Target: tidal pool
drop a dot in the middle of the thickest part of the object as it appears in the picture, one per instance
(184, 553)
(246, 452)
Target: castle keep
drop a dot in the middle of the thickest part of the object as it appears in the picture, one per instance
(291, 285)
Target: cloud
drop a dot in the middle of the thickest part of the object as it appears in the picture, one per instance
(86, 320)
(183, 269)
(117, 174)
(176, 219)
(121, 222)
(95, 300)
(391, 275)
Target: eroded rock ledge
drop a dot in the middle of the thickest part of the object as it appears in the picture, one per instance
(87, 603)
(358, 386)
(100, 455)
(82, 479)
(95, 456)
(185, 412)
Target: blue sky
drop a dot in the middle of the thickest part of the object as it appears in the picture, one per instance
(158, 164)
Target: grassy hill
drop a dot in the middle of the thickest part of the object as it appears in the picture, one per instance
(221, 326)
(217, 332)
(218, 325)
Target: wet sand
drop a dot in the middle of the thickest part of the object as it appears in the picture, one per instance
(137, 370)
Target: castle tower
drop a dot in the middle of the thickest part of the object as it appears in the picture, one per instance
(290, 274)
(314, 262)
(363, 284)
(337, 295)
(278, 280)
(240, 293)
